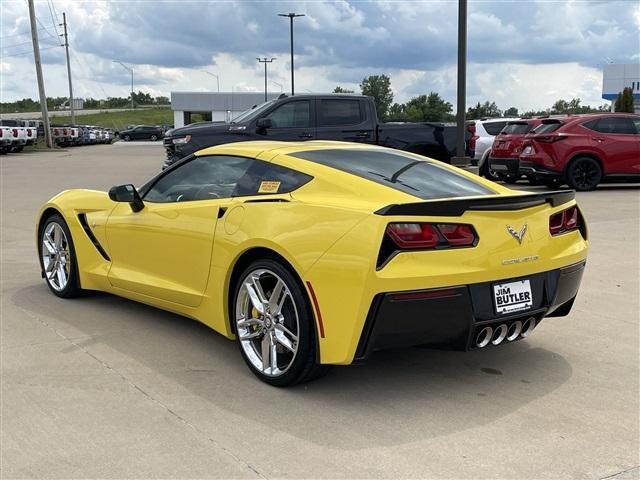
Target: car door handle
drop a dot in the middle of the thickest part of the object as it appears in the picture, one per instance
(305, 135)
(598, 139)
(362, 135)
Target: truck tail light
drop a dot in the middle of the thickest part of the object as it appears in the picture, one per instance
(567, 221)
(64, 131)
(28, 132)
(14, 131)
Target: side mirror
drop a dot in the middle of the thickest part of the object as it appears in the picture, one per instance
(263, 123)
(127, 193)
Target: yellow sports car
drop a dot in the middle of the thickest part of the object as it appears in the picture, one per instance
(319, 253)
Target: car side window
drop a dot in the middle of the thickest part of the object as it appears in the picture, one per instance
(340, 112)
(265, 178)
(202, 178)
(636, 123)
(291, 115)
(613, 125)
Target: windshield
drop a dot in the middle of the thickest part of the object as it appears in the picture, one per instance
(252, 113)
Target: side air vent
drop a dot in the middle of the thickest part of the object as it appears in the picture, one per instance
(83, 221)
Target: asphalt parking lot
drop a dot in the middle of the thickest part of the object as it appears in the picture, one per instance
(101, 387)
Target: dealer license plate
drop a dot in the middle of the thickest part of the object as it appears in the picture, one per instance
(513, 296)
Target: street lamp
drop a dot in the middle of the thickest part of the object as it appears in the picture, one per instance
(278, 84)
(291, 17)
(265, 61)
(214, 75)
(131, 70)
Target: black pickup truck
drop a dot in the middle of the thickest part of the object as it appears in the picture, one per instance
(349, 118)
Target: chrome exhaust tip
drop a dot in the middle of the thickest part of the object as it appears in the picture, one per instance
(514, 330)
(499, 334)
(528, 326)
(484, 337)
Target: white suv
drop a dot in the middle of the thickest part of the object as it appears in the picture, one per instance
(486, 131)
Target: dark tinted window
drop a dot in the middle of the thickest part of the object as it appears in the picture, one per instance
(340, 112)
(396, 170)
(203, 178)
(264, 178)
(291, 114)
(493, 128)
(517, 128)
(623, 125)
(547, 127)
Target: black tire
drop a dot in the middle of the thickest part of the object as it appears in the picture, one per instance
(303, 367)
(584, 174)
(534, 180)
(510, 178)
(127, 138)
(17, 149)
(154, 138)
(489, 174)
(72, 288)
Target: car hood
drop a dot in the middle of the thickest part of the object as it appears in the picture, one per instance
(202, 129)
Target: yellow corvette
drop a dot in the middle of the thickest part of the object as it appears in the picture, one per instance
(318, 253)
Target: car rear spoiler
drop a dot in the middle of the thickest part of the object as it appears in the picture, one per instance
(457, 206)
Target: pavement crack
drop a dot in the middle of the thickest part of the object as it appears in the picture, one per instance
(150, 397)
(619, 474)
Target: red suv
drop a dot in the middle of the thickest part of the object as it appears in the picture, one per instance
(583, 150)
(507, 146)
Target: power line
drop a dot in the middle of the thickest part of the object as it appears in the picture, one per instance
(55, 11)
(28, 52)
(22, 43)
(43, 26)
(52, 19)
(20, 34)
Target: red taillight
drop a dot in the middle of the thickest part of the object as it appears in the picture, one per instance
(421, 236)
(15, 132)
(28, 132)
(64, 131)
(413, 235)
(471, 128)
(564, 221)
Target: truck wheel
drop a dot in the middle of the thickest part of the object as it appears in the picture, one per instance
(583, 174)
(17, 149)
(127, 138)
(154, 138)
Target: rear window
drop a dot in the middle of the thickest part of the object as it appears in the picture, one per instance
(494, 128)
(517, 128)
(423, 179)
(547, 127)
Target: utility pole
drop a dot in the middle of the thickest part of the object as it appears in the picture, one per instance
(66, 46)
(460, 158)
(131, 70)
(291, 17)
(265, 61)
(36, 55)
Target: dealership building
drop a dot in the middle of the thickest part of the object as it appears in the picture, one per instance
(213, 106)
(617, 77)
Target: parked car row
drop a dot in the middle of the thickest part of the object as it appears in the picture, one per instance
(72, 135)
(581, 151)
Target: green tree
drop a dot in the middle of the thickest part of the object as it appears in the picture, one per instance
(397, 113)
(511, 112)
(482, 110)
(378, 87)
(339, 89)
(626, 100)
(428, 108)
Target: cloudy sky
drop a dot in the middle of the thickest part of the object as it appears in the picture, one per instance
(523, 53)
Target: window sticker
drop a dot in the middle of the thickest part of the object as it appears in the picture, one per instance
(269, 187)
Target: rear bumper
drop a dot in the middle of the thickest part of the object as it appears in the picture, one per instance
(504, 165)
(536, 170)
(452, 317)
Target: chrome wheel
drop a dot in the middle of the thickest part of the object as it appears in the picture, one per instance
(267, 322)
(56, 257)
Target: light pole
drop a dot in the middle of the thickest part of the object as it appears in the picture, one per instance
(461, 158)
(291, 17)
(265, 60)
(131, 70)
(278, 84)
(213, 75)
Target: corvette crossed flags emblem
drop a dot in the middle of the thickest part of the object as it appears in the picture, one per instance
(517, 235)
